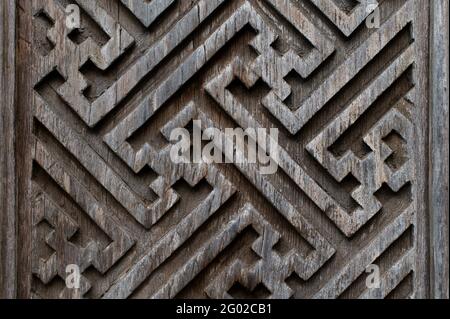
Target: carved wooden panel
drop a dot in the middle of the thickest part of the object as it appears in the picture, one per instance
(99, 190)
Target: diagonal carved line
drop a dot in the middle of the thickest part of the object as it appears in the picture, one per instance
(45, 209)
(192, 173)
(206, 254)
(102, 57)
(147, 11)
(355, 267)
(66, 52)
(64, 252)
(152, 57)
(303, 25)
(271, 269)
(120, 40)
(339, 168)
(323, 47)
(294, 121)
(347, 23)
(174, 239)
(217, 88)
(122, 242)
(273, 67)
(116, 139)
(347, 222)
(275, 281)
(67, 57)
(100, 170)
(323, 250)
(305, 267)
(392, 278)
(181, 75)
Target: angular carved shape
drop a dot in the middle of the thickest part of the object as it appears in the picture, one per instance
(66, 253)
(147, 11)
(106, 196)
(294, 121)
(372, 171)
(67, 57)
(346, 22)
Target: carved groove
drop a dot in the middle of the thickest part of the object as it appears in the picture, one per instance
(193, 69)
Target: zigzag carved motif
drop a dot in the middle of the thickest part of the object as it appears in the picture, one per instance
(305, 267)
(148, 237)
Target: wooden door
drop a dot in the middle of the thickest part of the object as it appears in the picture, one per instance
(357, 90)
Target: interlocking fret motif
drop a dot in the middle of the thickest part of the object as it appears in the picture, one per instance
(107, 197)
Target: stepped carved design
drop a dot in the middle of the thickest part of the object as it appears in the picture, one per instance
(107, 197)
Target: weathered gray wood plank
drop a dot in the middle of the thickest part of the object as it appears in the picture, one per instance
(439, 151)
(7, 150)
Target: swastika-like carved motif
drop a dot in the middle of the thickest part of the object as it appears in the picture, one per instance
(107, 197)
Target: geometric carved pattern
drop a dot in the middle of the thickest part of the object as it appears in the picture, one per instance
(147, 11)
(107, 197)
(346, 22)
(67, 57)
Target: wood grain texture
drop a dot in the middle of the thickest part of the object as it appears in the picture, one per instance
(97, 187)
(8, 193)
(439, 153)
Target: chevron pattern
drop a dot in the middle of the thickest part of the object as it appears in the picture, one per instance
(107, 197)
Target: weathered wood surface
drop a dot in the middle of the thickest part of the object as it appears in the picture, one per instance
(96, 186)
(8, 224)
(439, 160)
